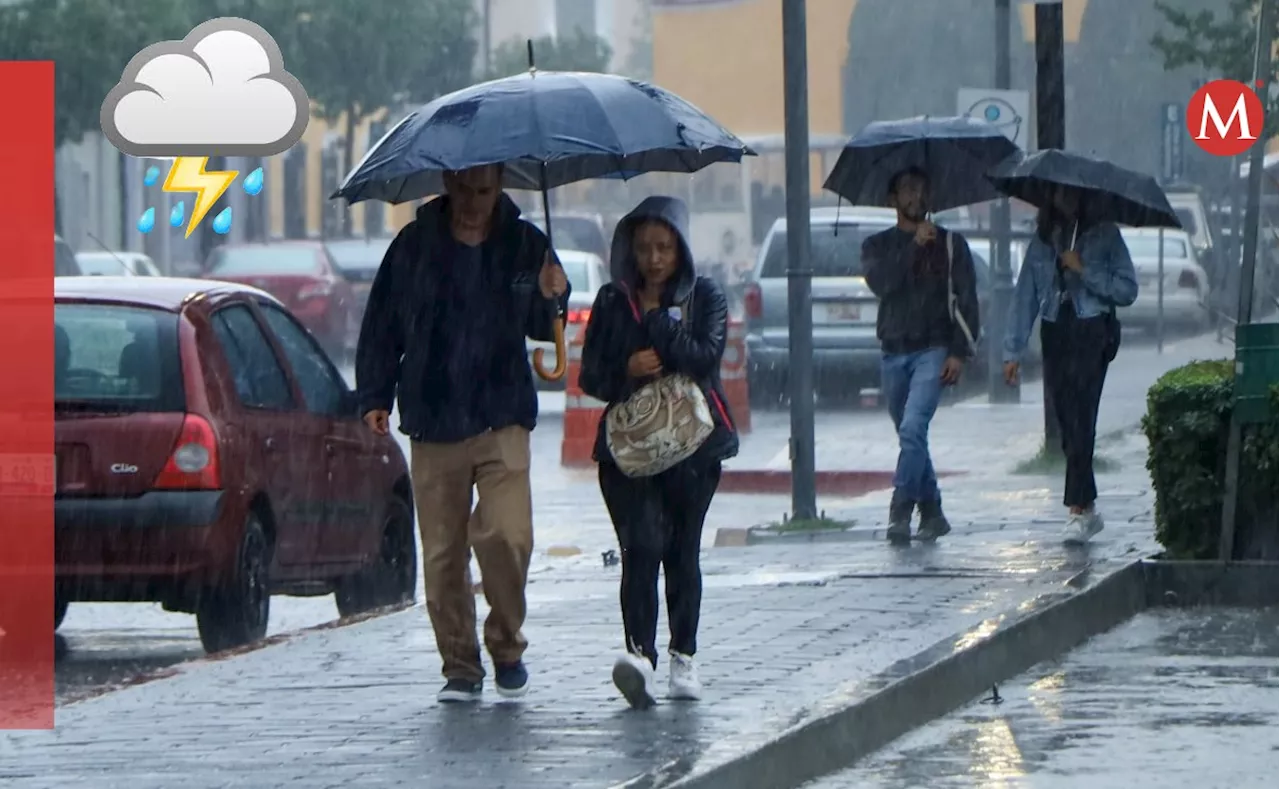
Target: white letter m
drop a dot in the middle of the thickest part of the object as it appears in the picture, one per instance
(1211, 111)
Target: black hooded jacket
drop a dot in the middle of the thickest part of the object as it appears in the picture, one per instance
(394, 355)
(617, 329)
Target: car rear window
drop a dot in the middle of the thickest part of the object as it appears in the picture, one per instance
(1148, 246)
(831, 253)
(577, 274)
(117, 357)
(101, 265)
(64, 260)
(265, 260)
(358, 260)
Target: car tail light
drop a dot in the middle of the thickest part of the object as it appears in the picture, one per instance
(752, 301)
(1188, 279)
(193, 464)
(579, 316)
(315, 290)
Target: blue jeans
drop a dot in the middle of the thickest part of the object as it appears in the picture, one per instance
(912, 385)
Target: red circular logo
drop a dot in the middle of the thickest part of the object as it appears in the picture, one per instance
(1224, 117)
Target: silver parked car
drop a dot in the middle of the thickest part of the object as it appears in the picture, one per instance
(1186, 284)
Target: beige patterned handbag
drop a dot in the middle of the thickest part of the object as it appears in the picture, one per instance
(662, 424)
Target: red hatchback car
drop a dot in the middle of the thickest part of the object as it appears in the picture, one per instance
(209, 455)
(304, 278)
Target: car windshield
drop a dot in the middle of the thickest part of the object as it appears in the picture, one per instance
(239, 261)
(102, 266)
(116, 357)
(1148, 246)
(358, 255)
(831, 253)
(578, 273)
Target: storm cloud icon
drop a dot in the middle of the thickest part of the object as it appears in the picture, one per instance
(221, 91)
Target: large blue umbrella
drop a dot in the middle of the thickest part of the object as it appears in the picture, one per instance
(955, 154)
(549, 129)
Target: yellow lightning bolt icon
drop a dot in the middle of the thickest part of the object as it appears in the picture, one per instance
(188, 175)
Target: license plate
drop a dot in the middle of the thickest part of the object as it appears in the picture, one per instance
(844, 313)
(28, 475)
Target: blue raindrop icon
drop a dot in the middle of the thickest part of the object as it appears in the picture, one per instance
(253, 182)
(177, 214)
(153, 175)
(222, 222)
(147, 221)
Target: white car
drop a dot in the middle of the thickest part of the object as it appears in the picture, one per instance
(586, 273)
(1186, 285)
(116, 264)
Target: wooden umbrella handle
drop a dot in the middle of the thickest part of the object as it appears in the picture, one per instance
(556, 374)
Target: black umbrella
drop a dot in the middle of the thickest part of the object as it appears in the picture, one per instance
(954, 153)
(1107, 191)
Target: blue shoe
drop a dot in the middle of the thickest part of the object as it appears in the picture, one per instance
(460, 691)
(512, 680)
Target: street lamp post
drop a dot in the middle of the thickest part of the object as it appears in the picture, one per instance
(1002, 269)
(804, 504)
(1051, 132)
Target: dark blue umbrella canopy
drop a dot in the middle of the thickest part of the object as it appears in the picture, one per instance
(955, 153)
(549, 129)
(1108, 192)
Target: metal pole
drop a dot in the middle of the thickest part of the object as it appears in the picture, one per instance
(1051, 116)
(795, 80)
(1160, 292)
(998, 391)
(1248, 264)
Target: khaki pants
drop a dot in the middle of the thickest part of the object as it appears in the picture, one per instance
(497, 464)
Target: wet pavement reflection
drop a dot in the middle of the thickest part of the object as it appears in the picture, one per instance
(1172, 698)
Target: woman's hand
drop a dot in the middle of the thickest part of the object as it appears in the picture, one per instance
(1011, 373)
(644, 364)
(1071, 261)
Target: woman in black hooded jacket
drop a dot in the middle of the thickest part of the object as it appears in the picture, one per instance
(658, 317)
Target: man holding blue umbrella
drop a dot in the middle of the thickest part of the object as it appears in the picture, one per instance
(460, 288)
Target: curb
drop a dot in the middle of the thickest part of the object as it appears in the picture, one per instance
(827, 483)
(918, 690)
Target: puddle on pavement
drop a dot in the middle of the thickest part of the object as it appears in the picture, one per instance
(1180, 699)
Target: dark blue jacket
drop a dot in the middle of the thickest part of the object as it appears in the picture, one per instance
(393, 354)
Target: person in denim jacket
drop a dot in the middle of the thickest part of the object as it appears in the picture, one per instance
(1076, 272)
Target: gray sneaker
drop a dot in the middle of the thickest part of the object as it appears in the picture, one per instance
(933, 524)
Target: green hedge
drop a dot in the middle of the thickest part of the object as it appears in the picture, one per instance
(1187, 421)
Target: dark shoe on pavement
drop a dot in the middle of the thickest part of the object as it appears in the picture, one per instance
(460, 691)
(512, 680)
(933, 524)
(899, 531)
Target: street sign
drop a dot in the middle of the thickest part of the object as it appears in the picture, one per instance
(1008, 110)
(1172, 133)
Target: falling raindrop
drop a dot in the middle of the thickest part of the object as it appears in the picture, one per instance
(153, 175)
(222, 222)
(253, 182)
(177, 214)
(147, 221)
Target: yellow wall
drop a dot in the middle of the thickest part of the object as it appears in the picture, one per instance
(727, 59)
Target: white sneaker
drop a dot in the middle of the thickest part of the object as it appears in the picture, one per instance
(1081, 527)
(683, 681)
(633, 677)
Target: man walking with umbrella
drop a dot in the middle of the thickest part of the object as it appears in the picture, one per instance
(924, 278)
(457, 293)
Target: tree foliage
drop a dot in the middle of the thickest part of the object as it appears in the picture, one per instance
(1222, 45)
(578, 51)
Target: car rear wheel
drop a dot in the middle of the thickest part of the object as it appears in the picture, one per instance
(393, 575)
(235, 613)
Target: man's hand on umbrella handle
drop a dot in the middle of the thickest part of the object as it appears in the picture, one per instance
(1071, 260)
(926, 232)
(378, 420)
(1011, 373)
(551, 279)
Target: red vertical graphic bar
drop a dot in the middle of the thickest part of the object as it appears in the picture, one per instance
(27, 472)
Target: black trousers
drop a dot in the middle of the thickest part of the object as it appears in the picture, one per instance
(658, 521)
(1075, 369)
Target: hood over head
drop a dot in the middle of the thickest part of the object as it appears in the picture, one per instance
(670, 210)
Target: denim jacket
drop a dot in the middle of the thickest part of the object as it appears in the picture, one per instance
(1108, 281)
